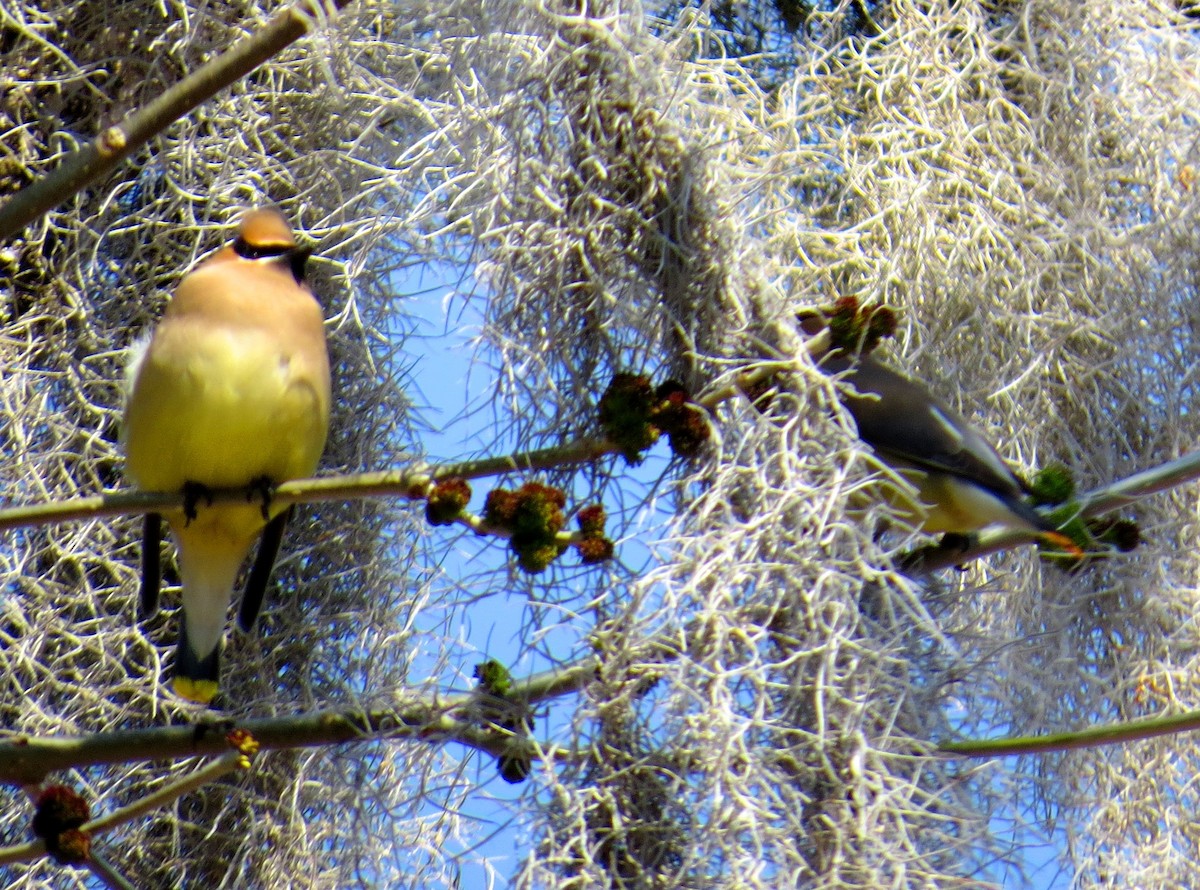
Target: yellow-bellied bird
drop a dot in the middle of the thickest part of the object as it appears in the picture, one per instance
(963, 485)
(231, 390)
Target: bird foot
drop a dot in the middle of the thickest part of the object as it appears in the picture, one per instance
(192, 493)
(951, 544)
(954, 541)
(263, 488)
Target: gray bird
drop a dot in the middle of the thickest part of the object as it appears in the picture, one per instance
(963, 485)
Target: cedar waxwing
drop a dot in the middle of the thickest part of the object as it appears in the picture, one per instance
(232, 390)
(962, 483)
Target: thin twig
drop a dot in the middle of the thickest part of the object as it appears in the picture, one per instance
(228, 763)
(104, 870)
(414, 484)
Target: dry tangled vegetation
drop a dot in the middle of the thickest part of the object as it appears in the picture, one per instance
(611, 192)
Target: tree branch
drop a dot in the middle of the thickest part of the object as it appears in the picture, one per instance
(414, 484)
(411, 484)
(89, 163)
(1091, 737)
(28, 760)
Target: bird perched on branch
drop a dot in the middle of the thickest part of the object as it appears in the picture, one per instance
(962, 483)
(231, 390)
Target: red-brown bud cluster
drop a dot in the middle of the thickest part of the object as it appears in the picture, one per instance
(684, 422)
(625, 415)
(591, 520)
(60, 811)
(852, 326)
(446, 501)
(533, 515)
(71, 847)
(633, 415)
(595, 550)
(593, 546)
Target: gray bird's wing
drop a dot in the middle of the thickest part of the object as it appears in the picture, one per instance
(901, 418)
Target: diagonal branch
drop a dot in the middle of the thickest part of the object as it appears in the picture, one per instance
(230, 761)
(1092, 737)
(89, 163)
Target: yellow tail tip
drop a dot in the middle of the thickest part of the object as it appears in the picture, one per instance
(202, 692)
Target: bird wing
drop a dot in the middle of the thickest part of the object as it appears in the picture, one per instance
(901, 418)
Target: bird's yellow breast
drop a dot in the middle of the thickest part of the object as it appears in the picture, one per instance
(944, 503)
(228, 409)
(234, 385)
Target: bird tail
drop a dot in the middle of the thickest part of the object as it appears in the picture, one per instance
(209, 562)
(1030, 514)
(196, 679)
(1047, 530)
